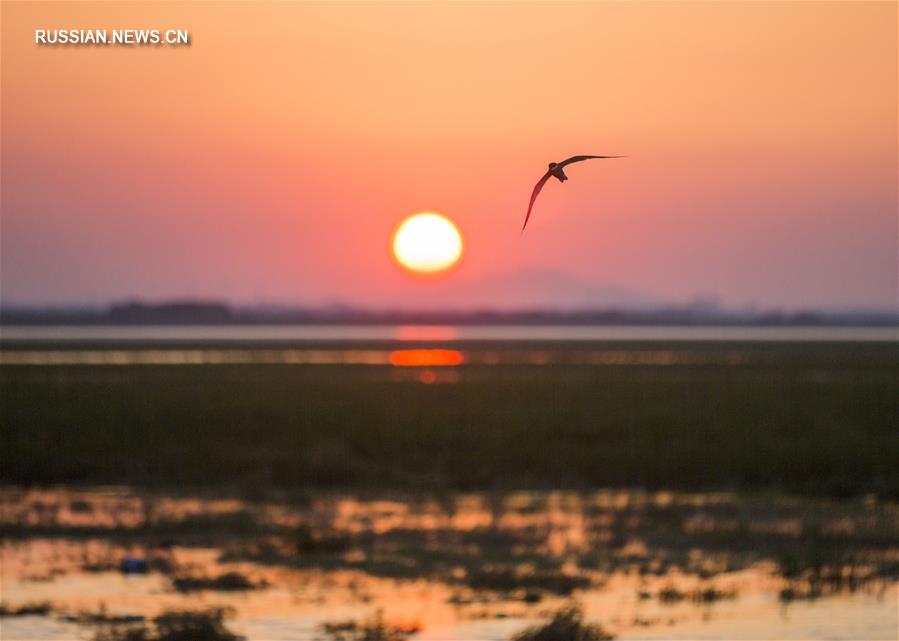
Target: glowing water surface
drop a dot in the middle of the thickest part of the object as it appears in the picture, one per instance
(604, 536)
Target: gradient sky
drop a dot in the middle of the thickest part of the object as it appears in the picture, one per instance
(271, 160)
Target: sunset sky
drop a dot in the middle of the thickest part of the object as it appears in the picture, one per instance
(272, 159)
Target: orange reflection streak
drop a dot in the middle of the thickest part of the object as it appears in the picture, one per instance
(425, 357)
(426, 333)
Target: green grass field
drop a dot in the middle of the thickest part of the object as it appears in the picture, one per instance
(807, 418)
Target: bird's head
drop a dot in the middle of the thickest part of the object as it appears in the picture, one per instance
(553, 165)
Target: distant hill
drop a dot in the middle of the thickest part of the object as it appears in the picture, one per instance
(525, 290)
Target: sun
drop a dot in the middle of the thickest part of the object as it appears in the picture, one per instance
(427, 243)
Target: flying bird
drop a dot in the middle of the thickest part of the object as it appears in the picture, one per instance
(557, 170)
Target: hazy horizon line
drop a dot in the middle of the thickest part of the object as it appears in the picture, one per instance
(707, 305)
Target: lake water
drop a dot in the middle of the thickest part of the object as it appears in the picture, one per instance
(362, 333)
(411, 345)
(419, 559)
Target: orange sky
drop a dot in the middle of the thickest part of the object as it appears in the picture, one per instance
(272, 159)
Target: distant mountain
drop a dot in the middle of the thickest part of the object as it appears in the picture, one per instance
(524, 290)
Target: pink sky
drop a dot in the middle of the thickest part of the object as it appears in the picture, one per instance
(271, 160)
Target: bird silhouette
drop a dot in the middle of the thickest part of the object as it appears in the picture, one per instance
(557, 170)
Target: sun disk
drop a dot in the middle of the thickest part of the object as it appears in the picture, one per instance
(427, 243)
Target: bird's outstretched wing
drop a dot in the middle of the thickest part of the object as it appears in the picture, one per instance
(580, 158)
(534, 195)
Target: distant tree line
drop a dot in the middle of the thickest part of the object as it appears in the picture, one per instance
(190, 312)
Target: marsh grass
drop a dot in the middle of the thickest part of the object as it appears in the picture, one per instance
(175, 625)
(533, 582)
(228, 582)
(670, 594)
(372, 629)
(567, 624)
(35, 608)
(821, 580)
(813, 418)
(102, 617)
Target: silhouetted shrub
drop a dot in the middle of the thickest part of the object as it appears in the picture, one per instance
(41, 608)
(566, 625)
(375, 629)
(227, 582)
(205, 625)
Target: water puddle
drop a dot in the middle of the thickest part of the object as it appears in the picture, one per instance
(463, 566)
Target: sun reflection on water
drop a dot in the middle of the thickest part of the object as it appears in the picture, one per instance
(425, 358)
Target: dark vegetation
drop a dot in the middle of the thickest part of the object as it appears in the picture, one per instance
(509, 580)
(227, 582)
(565, 625)
(805, 418)
(201, 625)
(40, 608)
(819, 578)
(671, 594)
(373, 629)
(102, 617)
